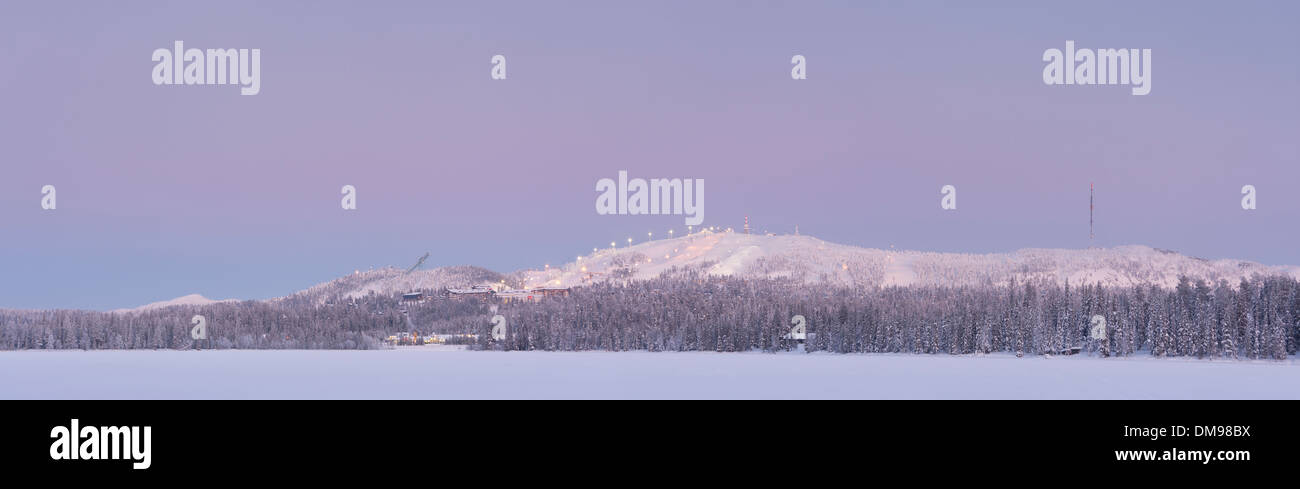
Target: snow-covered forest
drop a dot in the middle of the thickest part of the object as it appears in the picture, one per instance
(694, 311)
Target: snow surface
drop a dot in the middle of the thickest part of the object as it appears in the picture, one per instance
(449, 373)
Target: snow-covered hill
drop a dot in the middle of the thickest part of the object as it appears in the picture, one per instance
(188, 300)
(810, 260)
(803, 259)
(392, 281)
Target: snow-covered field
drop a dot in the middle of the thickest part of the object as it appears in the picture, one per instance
(449, 373)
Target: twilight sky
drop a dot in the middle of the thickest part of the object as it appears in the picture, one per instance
(170, 190)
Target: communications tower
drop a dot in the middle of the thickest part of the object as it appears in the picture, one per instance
(1092, 204)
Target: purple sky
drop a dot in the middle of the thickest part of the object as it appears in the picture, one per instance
(170, 190)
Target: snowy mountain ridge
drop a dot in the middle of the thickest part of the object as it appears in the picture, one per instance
(804, 259)
(809, 260)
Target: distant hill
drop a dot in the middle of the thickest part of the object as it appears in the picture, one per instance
(392, 281)
(812, 261)
(803, 259)
(187, 300)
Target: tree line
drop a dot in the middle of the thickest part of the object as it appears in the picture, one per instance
(1256, 318)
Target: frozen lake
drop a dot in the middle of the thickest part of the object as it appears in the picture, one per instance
(426, 373)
